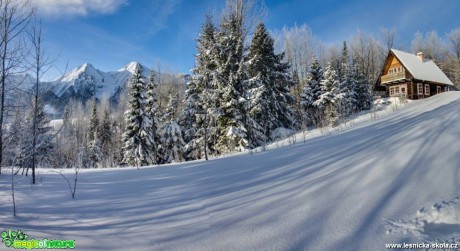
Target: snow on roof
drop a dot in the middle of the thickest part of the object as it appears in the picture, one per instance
(426, 70)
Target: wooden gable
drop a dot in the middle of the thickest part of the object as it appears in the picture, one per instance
(392, 62)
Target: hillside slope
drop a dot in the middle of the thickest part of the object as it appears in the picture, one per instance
(335, 192)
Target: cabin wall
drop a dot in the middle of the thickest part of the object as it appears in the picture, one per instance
(412, 90)
(433, 89)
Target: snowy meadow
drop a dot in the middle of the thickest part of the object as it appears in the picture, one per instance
(357, 189)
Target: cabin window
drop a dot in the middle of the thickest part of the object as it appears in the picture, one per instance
(438, 89)
(397, 90)
(403, 92)
(420, 89)
(427, 89)
(392, 91)
(446, 89)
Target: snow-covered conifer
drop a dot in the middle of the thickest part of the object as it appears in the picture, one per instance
(202, 96)
(104, 136)
(93, 123)
(172, 143)
(268, 105)
(151, 112)
(93, 142)
(312, 90)
(362, 88)
(326, 101)
(229, 79)
(345, 98)
(138, 137)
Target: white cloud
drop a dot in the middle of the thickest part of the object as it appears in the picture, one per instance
(65, 8)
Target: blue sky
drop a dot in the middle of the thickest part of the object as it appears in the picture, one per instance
(111, 33)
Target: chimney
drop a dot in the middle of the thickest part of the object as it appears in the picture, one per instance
(421, 56)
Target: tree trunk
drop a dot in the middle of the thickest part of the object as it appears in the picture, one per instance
(206, 137)
(3, 83)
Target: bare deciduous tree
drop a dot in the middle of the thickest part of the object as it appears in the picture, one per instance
(388, 37)
(418, 44)
(300, 45)
(369, 55)
(15, 15)
(249, 12)
(454, 39)
(40, 64)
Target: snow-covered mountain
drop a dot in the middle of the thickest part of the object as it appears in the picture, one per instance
(85, 82)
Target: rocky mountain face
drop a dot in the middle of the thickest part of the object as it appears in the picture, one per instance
(86, 82)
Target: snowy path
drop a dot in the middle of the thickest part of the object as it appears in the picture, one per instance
(331, 193)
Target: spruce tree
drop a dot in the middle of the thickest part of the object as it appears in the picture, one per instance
(95, 153)
(188, 120)
(267, 89)
(94, 147)
(283, 85)
(229, 79)
(312, 90)
(172, 143)
(151, 111)
(260, 73)
(346, 97)
(93, 123)
(362, 88)
(326, 101)
(105, 135)
(343, 62)
(138, 138)
(201, 99)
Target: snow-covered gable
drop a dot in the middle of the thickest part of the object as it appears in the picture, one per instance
(426, 70)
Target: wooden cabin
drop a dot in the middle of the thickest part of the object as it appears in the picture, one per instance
(411, 76)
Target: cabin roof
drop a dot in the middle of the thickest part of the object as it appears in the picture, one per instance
(426, 70)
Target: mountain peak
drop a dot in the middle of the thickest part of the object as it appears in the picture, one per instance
(75, 73)
(131, 67)
(86, 66)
